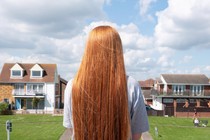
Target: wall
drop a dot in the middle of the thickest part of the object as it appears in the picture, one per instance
(6, 92)
(157, 103)
(49, 97)
(191, 114)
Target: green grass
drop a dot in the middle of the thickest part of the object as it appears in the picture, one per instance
(32, 127)
(177, 129)
(47, 127)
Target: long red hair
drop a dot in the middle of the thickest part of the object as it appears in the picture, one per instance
(99, 93)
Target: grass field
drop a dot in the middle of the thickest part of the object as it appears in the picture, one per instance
(170, 128)
(47, 127)
(32, 127)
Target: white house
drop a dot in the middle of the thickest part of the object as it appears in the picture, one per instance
(20, 83)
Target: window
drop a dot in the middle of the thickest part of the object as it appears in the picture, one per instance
(6, 100)
(19, 89)
(36, 73)
(192, 100)
(16, 73)
(168, 100)
(197, 89)
(180, 100)
(35, 88)
(178, 88)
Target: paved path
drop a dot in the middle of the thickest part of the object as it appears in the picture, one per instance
(145, 136)
(65, 135)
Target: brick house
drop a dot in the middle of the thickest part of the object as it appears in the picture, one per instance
(146, 87)
(181, 94)
(21, 82)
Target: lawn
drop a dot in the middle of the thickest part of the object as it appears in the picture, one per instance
(170, 128)
(47, 127)
(32, 127)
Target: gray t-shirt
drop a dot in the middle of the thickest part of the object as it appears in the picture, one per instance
(138, 114)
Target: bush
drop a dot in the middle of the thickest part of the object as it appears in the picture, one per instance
(4, 106)
(4, 109)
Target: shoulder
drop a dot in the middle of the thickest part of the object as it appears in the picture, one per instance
(134, 89)
(69, 86)
(131, 82)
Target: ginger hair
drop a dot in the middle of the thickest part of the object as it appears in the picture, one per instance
(99, 92)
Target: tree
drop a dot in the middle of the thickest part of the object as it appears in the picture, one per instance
(35, 102)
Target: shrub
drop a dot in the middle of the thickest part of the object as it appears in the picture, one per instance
(4, 109)
(4, 106)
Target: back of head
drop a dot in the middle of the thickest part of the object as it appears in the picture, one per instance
(99, 94)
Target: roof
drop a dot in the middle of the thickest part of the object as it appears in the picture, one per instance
(49, 73)
(185, 78)
(147, 83)
(159, 81)
(147, 94)
(63, 81)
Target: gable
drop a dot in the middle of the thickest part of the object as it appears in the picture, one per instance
(36, 71)
(37, 67)
(16, 67)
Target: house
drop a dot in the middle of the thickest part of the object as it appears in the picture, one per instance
(21, 82)
(147, 87)
(181, 94)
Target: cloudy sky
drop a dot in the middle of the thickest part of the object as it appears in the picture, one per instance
(159, 36)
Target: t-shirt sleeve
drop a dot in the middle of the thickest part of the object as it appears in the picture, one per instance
(139, 118)
(67, 114)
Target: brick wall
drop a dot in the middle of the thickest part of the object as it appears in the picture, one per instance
(191, 114)
(6, 92)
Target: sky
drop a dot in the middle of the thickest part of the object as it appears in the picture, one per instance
(158, 36)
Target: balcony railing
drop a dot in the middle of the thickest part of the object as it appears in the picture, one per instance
(184, 93)
(27, 93)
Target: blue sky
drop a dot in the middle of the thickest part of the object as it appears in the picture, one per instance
(159, 36)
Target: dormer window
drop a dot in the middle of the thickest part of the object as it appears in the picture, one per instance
(16, 71)
(37, 71)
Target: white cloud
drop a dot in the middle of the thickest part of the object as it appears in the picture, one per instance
(131, 38)
(46, 31)
(165, 61)
(55, 32)
(61, 19)
(145, 5)
(207, 68)
(137, 58)
(184, 24)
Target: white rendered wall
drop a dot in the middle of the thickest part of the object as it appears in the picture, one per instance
(157, 103)
(49, 96)
(165, 84)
